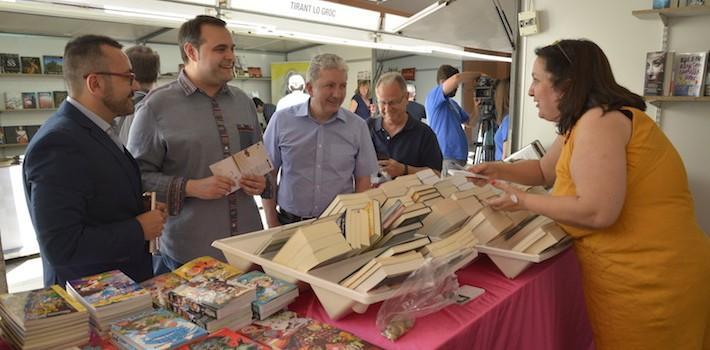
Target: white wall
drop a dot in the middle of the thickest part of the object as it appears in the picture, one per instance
(358, 59)
(426, 72)
(626, 39)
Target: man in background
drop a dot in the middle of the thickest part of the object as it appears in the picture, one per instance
(185, 126)
(83, 188)
(146, 67)
(409, 144)
(296, 94)
(264, 111)
(414, 108)
(321, 148)
(446, 116)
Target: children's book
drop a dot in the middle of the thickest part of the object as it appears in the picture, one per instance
(253, 160)
(225, 339)
(269, 290)
(27, 308)
(156, 329)
(207, 268)
(212, 297)
(106, 288)
(159, 287)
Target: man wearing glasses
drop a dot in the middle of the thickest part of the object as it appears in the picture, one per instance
(183, 127)
(404, 144)
(83, 187)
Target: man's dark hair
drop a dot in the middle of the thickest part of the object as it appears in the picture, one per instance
(257, 101)
(581, 71)
(445, 72)
(145, 63)
(82, 56)
(191, 32)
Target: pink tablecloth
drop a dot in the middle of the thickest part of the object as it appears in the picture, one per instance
(543, 308)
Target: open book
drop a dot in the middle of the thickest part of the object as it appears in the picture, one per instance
(252, 160)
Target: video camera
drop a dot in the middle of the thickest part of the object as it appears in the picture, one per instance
(485, 143)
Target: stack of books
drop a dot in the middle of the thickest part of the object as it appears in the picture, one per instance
(108, 297)
(313, 245)
(535, 236)
(159, 287)
(43, 319)
(154, 329)
(286, 330)
(384, 270)
(272, 294)
(362, 226)
(213, 303)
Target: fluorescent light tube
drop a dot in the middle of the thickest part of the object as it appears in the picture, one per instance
(421, 14)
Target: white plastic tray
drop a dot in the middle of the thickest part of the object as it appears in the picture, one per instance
(513, 263)
(338, 301)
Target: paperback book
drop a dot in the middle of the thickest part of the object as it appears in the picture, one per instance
(689, 73)
(212, 297)
(53, 64)
(45, 100)
(9, 63)
(31, 65)
(207, 268)
(253, 160)
(224, 339)
(156, 329)
(272, 294)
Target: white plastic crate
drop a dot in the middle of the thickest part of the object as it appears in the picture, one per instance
(512, 263)
(338, 301)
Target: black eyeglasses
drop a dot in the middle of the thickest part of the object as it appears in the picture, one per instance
(557, 43)
(390, 103)
(130, 75)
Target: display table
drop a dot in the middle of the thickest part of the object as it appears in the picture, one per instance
(543, 308)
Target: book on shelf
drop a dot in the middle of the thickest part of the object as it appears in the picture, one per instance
(13, 101)
(45, 99)
(2, 136)
(43, 318)
(252, 160)
(29, 100)
(16, 135)
(31, 65)
(59, 97)
(661, 4)
(9, 63)
(658, 75)
(224, 338)
(155, 329)
(272, 294)
(159, 287)
(689, 71)
(211, 297)
(206, 267)
(53, 64)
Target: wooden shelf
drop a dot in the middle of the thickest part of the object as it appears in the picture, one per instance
(658, 100)
(14, 145)
(22, 75)
(29, 110)
(664, 14)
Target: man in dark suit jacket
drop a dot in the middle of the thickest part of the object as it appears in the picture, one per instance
(83, 188)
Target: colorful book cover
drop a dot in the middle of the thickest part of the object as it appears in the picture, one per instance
(31, 65)
(208, 296)
(267, 288)
(16, 135)
(106, 288)
(287, 331)
(59, 97)
(225, 339)
(29, 100)
(53, 64)
(207, 268)
(9, 63)
(156, 329)
(159, 287)
(689, 73)
(39, 304)
(45, 100)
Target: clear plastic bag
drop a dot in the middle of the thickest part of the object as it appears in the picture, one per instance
(430, 288)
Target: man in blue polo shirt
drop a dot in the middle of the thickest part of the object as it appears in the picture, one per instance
(446, 116)
(404, 144)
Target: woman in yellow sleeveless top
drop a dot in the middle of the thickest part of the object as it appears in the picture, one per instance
(620, 189)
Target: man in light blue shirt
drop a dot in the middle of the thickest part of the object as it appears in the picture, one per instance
(446, 116)
(322, 149)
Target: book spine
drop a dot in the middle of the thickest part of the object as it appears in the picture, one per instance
(68, 298)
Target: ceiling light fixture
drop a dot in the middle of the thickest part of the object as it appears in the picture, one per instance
(423, 13)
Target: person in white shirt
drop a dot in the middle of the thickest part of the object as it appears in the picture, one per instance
(296, 95)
